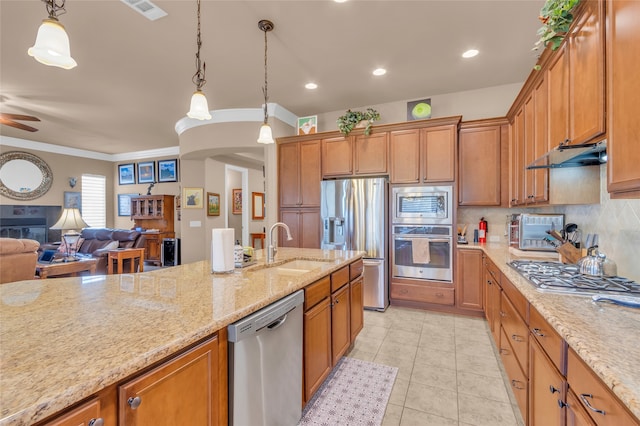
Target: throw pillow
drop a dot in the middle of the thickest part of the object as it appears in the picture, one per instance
(112, 245)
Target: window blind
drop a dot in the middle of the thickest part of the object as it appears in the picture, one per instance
(94, 203)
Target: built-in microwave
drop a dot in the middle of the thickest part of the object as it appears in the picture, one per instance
(422, 205)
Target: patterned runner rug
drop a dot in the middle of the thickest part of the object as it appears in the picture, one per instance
(356, 393)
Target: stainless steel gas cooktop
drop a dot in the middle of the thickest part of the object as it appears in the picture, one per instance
(556, 277)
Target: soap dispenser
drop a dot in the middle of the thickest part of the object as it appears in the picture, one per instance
(238, 254)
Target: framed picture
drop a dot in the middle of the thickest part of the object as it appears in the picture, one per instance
(168, 170)
(257, 205)
(236, 207)
(124, 204)
(419, 110)
(193, 198)
(213, 204)
(308, 125)
(147, 172)
(72, 200)
(126, 174)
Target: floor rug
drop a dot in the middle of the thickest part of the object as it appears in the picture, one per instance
(355, 393)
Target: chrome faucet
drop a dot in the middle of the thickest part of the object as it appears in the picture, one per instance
(271, 248)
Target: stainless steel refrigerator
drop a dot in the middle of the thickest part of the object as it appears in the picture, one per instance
(354, 217)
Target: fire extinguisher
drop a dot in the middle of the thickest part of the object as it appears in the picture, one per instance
(482, 231)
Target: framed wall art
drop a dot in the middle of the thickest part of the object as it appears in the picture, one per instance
(147, 172)
(126, 174)
(168, 170)
(193, 198)
(72, 200)
(213, 204)
(419, 110)
(257, 205)
(124, 204)
(308, 125)
(236, 208)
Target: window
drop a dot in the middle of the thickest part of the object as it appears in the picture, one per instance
(94, 200)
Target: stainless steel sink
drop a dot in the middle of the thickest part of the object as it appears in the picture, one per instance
(294, 266)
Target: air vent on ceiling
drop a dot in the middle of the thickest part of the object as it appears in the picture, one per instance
(145, 8)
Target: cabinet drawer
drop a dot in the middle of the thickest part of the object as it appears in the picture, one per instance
(595, 395)
(422, 293)
(553, 345)
(355, 269)
(339, 278)
(314, 293)
(493, 269)
(516, 331)
(517, 379)
(515, 297)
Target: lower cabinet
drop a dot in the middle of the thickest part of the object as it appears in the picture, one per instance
(517, 377)
(153, 244)
(576, 415)
(340, 323)
(89, 414)
(546, 390)
(492, 296)
(469, 286)
(356, 296)
(317, 346)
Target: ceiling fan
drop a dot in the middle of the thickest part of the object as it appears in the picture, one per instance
(12, 120)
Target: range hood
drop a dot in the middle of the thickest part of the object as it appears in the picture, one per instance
(572, 156)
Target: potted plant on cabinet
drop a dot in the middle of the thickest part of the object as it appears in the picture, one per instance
(351, 119)
(556, 18)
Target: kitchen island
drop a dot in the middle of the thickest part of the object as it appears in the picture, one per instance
(64, 340)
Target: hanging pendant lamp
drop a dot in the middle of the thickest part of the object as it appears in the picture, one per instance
(265, 136)
(52, 42)
(199, 108)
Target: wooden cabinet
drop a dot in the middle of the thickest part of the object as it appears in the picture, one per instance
(469, 285)
(183, 390)
(557, 76)
(483, 163)
(518, 195)
(431, 293)
(337, 156)
(340, 323)
(546, 391)
(540, 178)
(355, 155)
(405, 156)
(91, 413)
(299, 174)
(492, 297)
(317, 340)
(305, 228)
(154, 212)
(623, 93)
(356, 298)
(517, 378)
(576, 415)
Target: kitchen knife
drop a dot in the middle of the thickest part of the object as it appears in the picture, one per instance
(556, 235)
(595, 240)
(588, 241)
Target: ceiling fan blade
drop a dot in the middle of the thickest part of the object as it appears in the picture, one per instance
(19, 117)
(17, 125)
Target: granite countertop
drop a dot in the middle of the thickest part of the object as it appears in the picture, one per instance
(605, 336)
(64, 339)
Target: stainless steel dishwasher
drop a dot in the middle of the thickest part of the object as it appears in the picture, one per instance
(265, 365)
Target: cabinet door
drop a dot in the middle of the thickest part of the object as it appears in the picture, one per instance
(405, 156)
(480, 166)
(85, 415)
(439, 153)
(340, 324)
(469, 282)
(586, 74)
(317, 346)
(492, 305)
(546, 389)
(529, 148)
(576, 415)
(517, 160)
(310, 174)
(152, 247)
(517, 378)
(289, 174)
(310, 229)
(292, 220)
(558, 80)
(516, 331)
(371, 154)
(337, 157)
(541, 143)
(182, 391)
(356, 296)
(623, 63)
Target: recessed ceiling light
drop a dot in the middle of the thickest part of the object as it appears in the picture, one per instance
(311, 86)
(470, 53)
(340, 1)
(379, 71)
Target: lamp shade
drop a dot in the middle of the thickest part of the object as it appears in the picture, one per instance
(52, 46)
(70, 219)
(199, 107)
(265, 135)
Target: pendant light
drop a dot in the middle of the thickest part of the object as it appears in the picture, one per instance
(52, 43)
(199, 107)
(265, 136)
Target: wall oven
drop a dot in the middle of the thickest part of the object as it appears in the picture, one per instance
(424, 204)
(422, 252)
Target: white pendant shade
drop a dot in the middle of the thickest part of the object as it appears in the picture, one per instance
(52, 46)
(265, 136)
(199, 107)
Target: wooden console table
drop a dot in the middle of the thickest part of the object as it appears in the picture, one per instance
(121, 254)
(56, 269)
(260, 236)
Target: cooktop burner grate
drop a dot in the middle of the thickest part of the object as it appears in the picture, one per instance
(559, 278)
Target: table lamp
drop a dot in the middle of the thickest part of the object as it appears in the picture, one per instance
(70, 220)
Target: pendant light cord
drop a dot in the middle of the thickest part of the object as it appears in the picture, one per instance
(199, 77)
(55, 8)
(264, 89)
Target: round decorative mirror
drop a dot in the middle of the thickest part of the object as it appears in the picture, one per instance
(24, 176)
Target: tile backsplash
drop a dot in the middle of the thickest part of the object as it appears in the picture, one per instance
(617, 223)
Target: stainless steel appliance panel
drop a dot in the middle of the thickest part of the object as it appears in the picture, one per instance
(423, 204)
(376, 292)
(435, 264)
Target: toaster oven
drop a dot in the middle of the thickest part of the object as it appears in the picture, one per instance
(532, 231)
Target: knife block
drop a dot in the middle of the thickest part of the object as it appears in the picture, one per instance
(568, 253)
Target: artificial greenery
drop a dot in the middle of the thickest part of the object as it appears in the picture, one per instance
(349, 121)
(556, 18)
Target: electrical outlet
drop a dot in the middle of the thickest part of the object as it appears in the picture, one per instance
(195, 224)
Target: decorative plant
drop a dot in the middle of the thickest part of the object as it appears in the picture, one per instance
(349, 121)
(556, 18)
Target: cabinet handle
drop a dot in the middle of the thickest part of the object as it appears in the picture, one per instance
(134, 402)
(489, 282)
(96, 422)
(583, 397)
(553, 390)
(562, 404)
(538, 332)
(517, 338)
(517, 384)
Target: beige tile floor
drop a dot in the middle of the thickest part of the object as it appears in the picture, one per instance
(448, 369)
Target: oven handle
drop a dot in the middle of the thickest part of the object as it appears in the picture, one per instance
(433, 240)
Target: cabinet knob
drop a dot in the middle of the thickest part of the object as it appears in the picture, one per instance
(134, 402)
(96, 422)
(538, 332)
(489, 282)
(562, 404)
(553, 390)
(585, 401)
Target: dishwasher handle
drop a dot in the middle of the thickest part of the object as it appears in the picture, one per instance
(277, 322)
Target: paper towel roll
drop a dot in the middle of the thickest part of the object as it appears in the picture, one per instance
(222, 245)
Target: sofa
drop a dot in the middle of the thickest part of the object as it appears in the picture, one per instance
(18, 259)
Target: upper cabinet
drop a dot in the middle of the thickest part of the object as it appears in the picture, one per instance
(623, 62)
(299, 174)
(355, 155)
